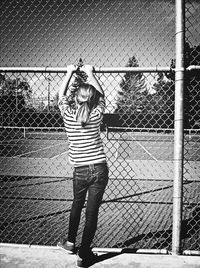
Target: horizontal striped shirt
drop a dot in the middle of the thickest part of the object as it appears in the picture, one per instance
(85, 144)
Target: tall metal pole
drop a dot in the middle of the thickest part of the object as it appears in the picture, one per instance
(178, 128)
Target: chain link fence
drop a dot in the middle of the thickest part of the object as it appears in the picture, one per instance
(138, 127)
(191, 174)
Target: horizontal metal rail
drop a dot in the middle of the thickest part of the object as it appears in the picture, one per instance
(193, 67)
(96, 69)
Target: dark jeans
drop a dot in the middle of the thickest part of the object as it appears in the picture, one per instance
(91, 179)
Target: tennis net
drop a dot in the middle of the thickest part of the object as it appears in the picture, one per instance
(112, 133)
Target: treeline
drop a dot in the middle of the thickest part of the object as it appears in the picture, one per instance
(136, 105)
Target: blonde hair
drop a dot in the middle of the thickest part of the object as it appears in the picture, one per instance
(87, 98)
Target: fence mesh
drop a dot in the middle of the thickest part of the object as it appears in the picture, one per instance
(104, 33)
(36, 177)
(191, 185)
(36, 184)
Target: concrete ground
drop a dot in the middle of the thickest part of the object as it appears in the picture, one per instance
(25, 256)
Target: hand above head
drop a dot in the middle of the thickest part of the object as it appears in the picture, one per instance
(64, 87)
(71, 68)
(88, 69)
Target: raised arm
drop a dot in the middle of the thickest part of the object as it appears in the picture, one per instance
(92, 80)
(64, 87)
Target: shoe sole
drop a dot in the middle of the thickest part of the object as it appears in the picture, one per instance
(81, 266)
(66, 250)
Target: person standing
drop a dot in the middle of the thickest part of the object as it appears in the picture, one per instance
(82, 111)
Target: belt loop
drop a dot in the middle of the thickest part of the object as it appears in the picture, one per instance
(92, 167)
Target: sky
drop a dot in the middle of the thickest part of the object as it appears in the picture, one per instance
(54, 33)
(106, 33)
(103, 33)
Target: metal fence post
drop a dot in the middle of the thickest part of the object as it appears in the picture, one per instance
(178, 127)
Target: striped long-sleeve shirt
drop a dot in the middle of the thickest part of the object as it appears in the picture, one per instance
(85, 144)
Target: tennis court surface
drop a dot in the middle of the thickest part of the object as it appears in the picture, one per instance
(36, 188)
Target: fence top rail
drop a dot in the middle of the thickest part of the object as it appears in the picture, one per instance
(97, 69)
(193, 67)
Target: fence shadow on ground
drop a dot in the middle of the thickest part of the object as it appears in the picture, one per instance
(165, 236)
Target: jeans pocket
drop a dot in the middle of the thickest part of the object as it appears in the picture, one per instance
(81, 173)
(102, 175)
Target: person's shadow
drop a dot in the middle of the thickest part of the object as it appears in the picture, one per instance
(101, 258)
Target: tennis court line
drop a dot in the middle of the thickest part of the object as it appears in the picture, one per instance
(146, 150)
(35, 151)
(59, 155)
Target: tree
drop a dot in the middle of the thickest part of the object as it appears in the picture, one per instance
(192, 93)
(192, 86)
(23, 89)
(14, 93)
(162, 101)
(139, 107)
(132, 97)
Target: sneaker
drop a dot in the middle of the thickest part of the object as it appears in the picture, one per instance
(86, 261)
(66, 245)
